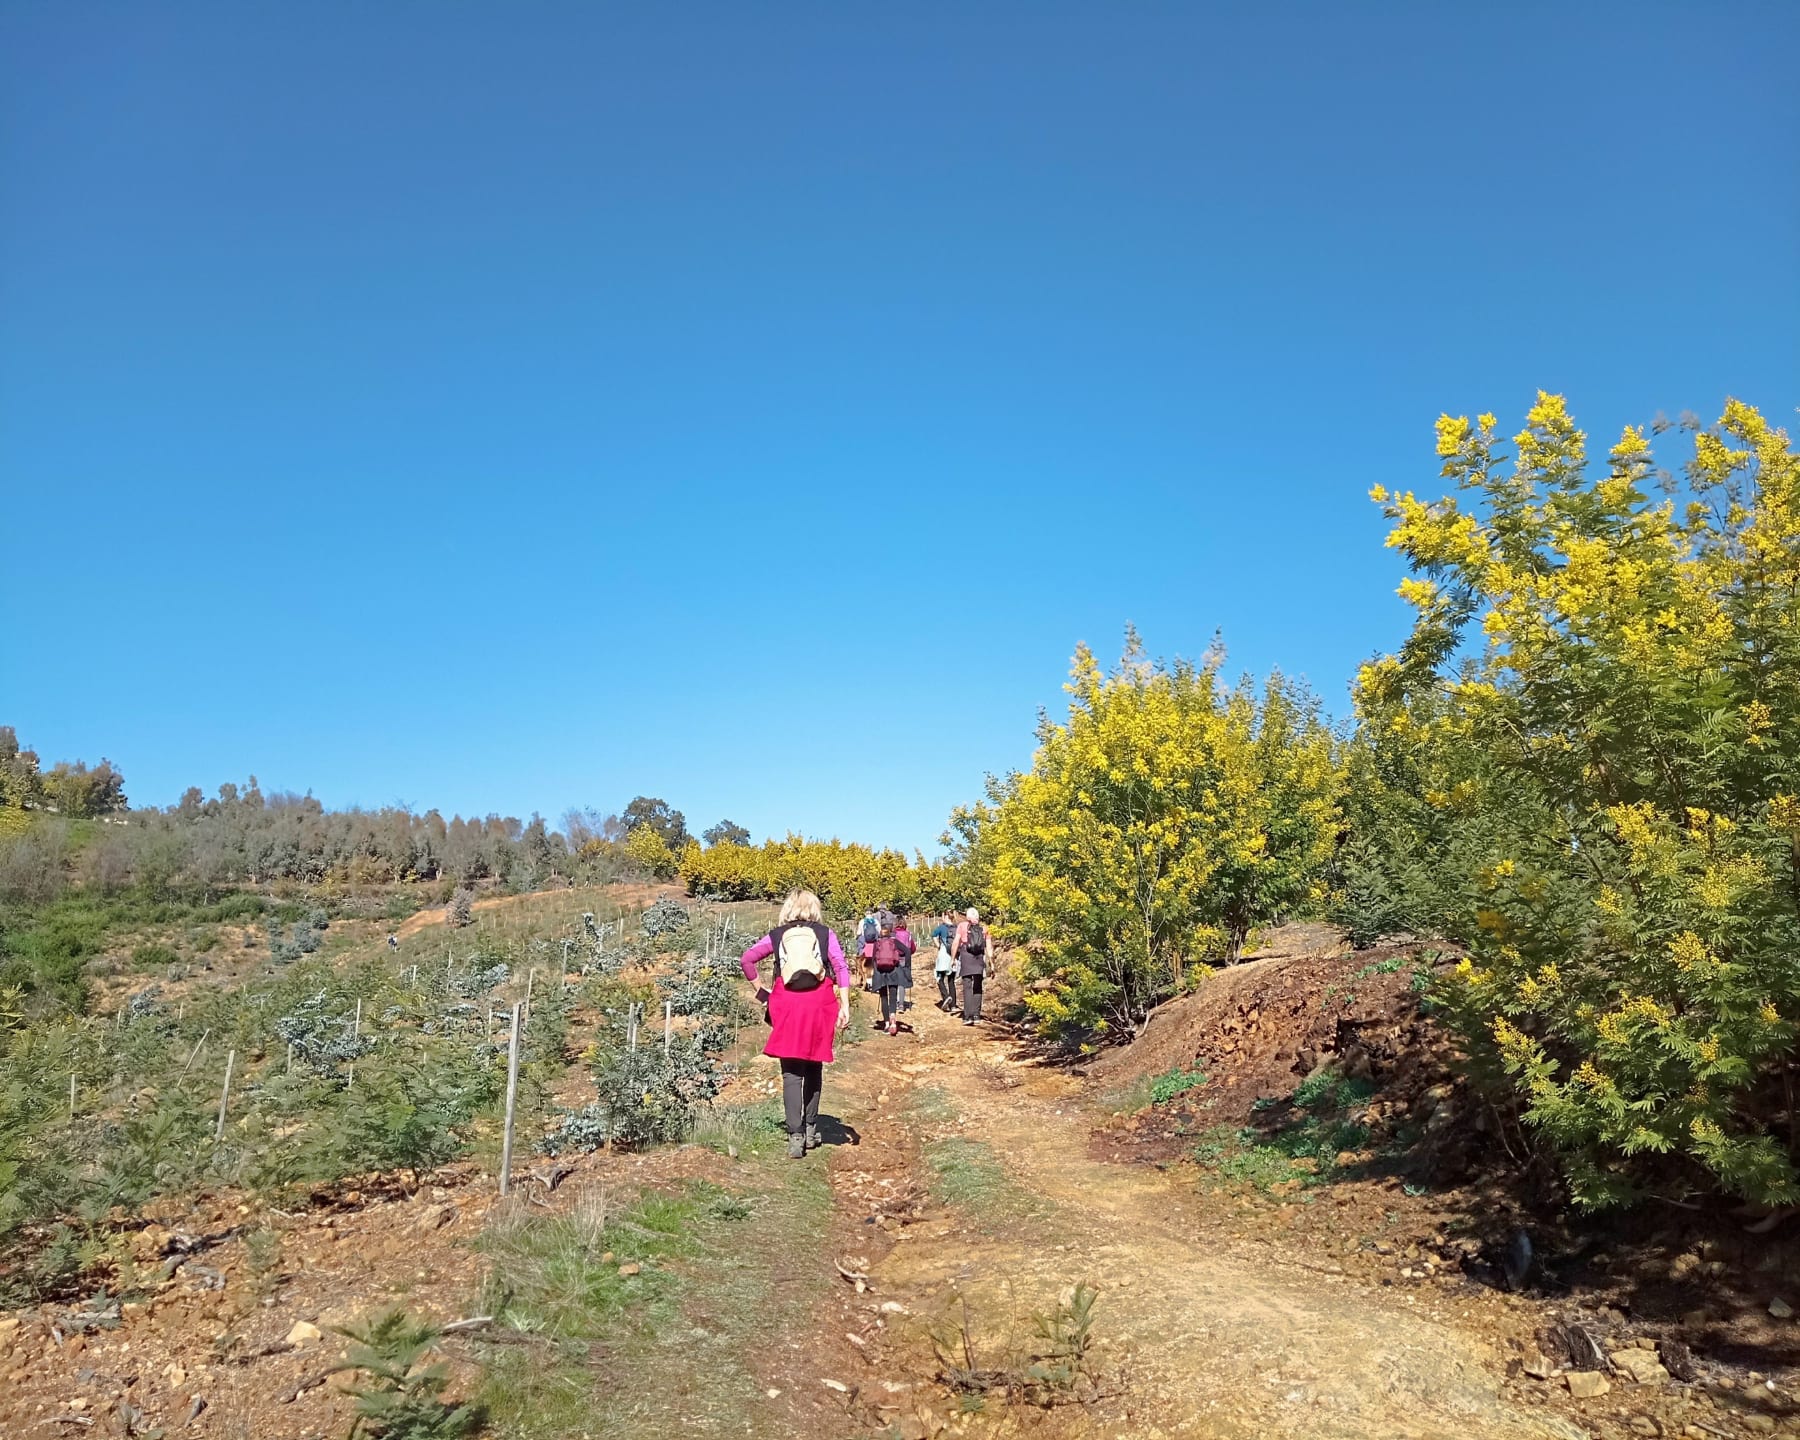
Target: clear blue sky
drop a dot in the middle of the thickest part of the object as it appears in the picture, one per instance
(509, 407)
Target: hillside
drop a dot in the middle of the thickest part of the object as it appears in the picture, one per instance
(1340, 1275)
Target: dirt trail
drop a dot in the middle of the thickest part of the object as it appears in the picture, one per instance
(1199, 1341)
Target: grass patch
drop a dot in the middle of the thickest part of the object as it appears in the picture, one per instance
(741, 1129)
(1301, 1151)
(1170, 1083)
(932, 1105)
(966, 1176)
(153, 956)
(663, 1351)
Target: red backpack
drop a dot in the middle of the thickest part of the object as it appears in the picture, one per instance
(887, 953)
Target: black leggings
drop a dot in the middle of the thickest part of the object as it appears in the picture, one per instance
(890, 1002)
(947, 988)
(801, 1081)
(971, 997)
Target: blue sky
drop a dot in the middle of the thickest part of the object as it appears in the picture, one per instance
(510, 407)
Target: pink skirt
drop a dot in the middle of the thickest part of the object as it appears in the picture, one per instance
(801, 1023)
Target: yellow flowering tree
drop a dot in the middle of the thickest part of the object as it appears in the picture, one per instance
(1593, 733)
(848, 878)
(1157, 824)
(645, 847)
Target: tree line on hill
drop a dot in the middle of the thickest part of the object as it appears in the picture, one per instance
(241, 836)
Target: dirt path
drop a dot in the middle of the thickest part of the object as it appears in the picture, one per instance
(1197, 1340)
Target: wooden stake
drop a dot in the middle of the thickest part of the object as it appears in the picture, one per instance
(71, 1094)
(356, 1030)
(668, 1023)
(512, 1096)
(194, 1054)
(225, 1095)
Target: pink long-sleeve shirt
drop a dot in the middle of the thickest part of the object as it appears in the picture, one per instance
(834, 952)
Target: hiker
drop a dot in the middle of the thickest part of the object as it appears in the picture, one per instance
(891, 957)
(808, 1000)
(908, 944)
(871, 928)
(971, 949)
(944, 966)
(393, 942)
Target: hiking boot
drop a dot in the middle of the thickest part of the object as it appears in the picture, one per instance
(796, 1147)
(812, 1138)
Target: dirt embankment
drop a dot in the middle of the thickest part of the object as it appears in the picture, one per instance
(1437, 1193)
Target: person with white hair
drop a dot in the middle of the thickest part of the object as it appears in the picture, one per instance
(810, 970)
(971, 952)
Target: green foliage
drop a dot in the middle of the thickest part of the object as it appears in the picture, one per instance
(419, 1086)
(1048, 1368)
(659, 817)
(1158, 824)
(1066, 1340)
(153, 956)
(726, 832)
(1165, 1087)
(1586, 761)
(21, 785)
(399, 1396)
(1303, 1148)
(649, 1098)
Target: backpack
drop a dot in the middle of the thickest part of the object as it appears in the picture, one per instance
(975, 942)
(870, 931)
(800, 958)
(887, 953)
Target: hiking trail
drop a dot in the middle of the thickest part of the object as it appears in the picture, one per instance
(1195, 1338)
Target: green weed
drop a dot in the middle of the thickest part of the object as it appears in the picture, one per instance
(1167, 1086)
(1304, 1151)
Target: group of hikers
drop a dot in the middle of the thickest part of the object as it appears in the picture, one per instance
(808, 996)
(961, 954)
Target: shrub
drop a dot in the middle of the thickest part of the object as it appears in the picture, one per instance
(1602, 798)
(1160, 822)
(402, 1397)
(665, 917)
(152, 955)
(461, 909)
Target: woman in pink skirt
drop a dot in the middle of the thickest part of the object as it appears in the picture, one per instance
(809, 1002)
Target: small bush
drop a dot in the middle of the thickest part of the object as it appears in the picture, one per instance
(401, 1397)
(1167, 1086)
(665, 917)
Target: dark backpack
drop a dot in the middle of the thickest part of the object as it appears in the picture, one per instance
(975, 942)
(870, 931)
(887, 953)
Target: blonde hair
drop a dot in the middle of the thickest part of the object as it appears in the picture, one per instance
(800, 905)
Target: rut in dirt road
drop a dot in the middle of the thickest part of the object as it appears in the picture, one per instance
(1195, 1341)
